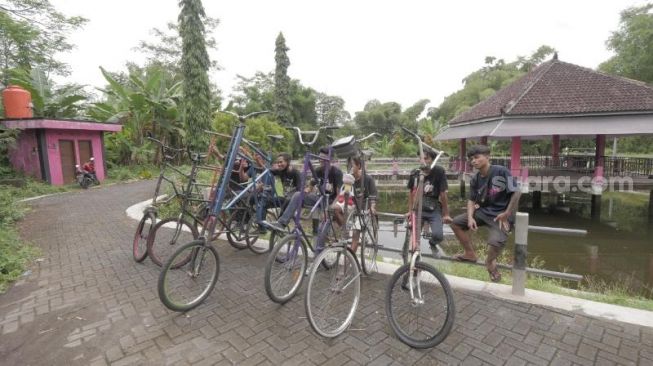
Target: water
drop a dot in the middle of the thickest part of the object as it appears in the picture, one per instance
(617, 250)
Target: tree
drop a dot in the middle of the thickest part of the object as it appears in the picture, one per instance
(282, 106)
(331, 110)
(194, 67)
(633, 45)
(486, 81)
(32, 32)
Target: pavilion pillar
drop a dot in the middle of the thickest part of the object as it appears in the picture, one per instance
(484, 140)
(515, 157)
(462, 165)
(599, 178)
(555, 150)
(537, 200)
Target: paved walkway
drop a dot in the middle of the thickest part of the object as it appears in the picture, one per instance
(87, 303)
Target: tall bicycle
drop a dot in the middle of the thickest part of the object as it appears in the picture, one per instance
(183, 287)
(288, 260)
(146, 225)
(419, 302)
(242, 225)
(332, 296)
(183, 227)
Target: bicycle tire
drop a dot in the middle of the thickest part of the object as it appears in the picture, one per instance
(143, 231)
(86, 182)
(159, 250)
(252, 237)
(286, 260)
(393, 305)
(369, 245)
(234, 229)
(182, 278)
(327, 317)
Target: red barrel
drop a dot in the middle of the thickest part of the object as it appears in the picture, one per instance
(17, 102)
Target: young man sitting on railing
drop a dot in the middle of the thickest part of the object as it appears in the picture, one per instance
(493, 200)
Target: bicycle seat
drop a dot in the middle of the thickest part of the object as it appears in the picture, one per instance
(345, 147)
(197, 157)
(275, 137)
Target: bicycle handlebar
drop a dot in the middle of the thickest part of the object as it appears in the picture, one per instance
(315, 134)
(245, 117)
(373, 134)
(421, 147)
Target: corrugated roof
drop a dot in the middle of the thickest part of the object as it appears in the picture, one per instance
(557, 87)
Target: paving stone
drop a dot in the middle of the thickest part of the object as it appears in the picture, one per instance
(88, 271)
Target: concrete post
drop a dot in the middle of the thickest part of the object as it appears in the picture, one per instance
(521, 243)
(537, 200)
(599, 179)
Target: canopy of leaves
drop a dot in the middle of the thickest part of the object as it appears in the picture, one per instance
(194, 67)
(282, 103)
(32, 32)
(486, 81)
(633, 45)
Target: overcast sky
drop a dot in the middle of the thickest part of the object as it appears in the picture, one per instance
(400, 51)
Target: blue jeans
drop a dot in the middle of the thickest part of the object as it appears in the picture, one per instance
(310, 199)
(435, 219)
(266, 200)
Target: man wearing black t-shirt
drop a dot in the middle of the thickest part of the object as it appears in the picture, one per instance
(290, 180)
(493, 199)
(334, 182)
(435, 206)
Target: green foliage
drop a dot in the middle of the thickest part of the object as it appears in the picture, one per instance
(144, 101)
(282, 104)
(194, 68)
(7, 140)
(257, 130)
(633, 45)
(486, 81)
(32, 33)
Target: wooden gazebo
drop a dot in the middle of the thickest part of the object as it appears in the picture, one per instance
(560, 100)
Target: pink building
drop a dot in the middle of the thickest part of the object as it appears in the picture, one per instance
(49, 149)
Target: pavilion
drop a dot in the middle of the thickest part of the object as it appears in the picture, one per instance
(558, 100)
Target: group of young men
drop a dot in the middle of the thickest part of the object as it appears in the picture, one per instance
(492, 201)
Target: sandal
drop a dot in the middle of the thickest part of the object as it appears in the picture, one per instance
(495, 275)
(460, 258)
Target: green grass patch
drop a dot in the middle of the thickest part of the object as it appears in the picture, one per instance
(622, 293)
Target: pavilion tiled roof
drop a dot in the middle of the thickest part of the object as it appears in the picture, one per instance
(561, 88)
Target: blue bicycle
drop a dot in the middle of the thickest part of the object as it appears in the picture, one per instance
(183, 287)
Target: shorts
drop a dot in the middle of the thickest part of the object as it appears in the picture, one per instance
(497, 237)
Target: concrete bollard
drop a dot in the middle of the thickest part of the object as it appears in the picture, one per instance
(521, 243)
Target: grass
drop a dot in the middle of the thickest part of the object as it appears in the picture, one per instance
(622, 293)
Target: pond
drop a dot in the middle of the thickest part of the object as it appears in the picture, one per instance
(618, 250)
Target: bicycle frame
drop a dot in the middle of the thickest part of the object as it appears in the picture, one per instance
(220, 190)
(323, 201)
(416, 218)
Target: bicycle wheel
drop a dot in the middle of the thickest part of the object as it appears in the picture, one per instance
(332, 295)
(86, 182)
(285, 268)
(143, 230)
(252, 235)
(369, 244)
(236, 230)
(165, 235)
(185, 287)
(426, 319)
